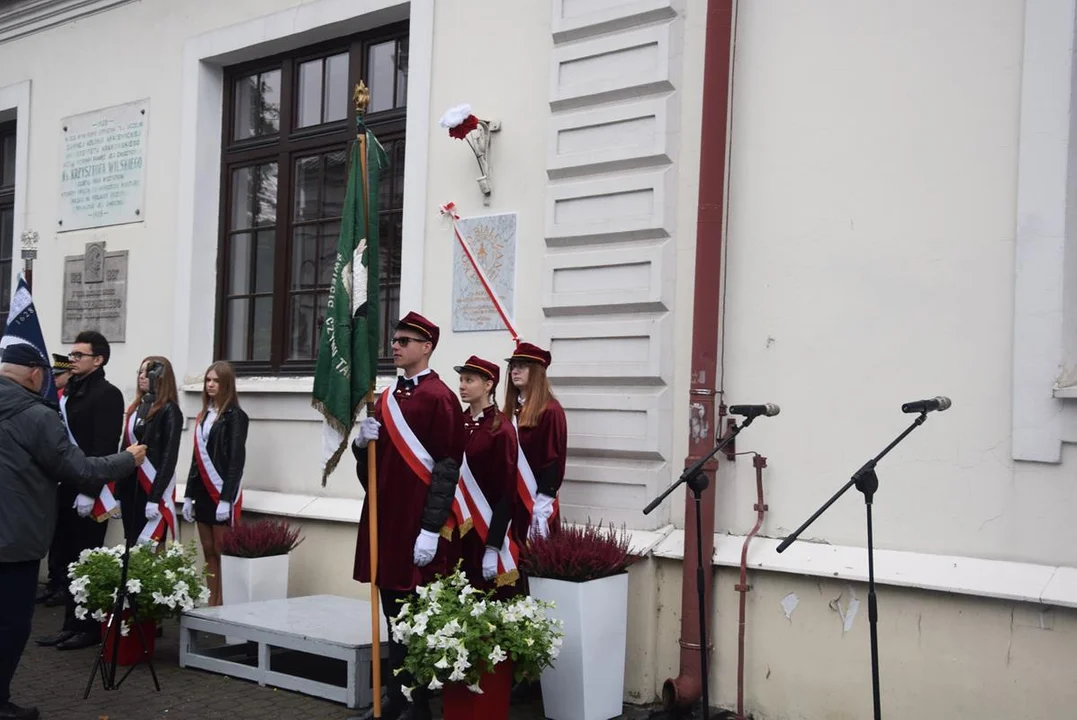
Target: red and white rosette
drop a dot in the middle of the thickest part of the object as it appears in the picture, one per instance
(459, 121)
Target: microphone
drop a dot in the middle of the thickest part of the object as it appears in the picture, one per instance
(939, 403)
(751, 411)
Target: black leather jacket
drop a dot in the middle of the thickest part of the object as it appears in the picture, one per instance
(161, 436)
(227, 447)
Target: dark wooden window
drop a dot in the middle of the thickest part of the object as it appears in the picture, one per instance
(288, 123)
(7, 216)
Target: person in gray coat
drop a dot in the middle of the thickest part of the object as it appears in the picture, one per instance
(35, 455)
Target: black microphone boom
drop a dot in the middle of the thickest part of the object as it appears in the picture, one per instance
(939, 403)
(767, 410)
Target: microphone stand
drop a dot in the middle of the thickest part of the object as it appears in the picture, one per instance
(697, 481)
(867, 482)
(123, 599)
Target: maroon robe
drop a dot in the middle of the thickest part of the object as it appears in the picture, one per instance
(545, 446)
(433, 413)
(491, 455)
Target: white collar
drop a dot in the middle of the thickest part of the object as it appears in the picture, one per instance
(414, 378)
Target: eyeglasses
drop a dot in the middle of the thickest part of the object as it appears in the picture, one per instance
(405, 341)
(76, 356)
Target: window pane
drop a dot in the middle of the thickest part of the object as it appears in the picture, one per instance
(396, 171)
(330, 238)
(239, 271)
(7, 153)
(257, 109)
(254, 196)
(402, 73)
(336, 184)
(307, 190)
(336, 88)
(309, 104)
(236, 328)
(303, 330)
(7, 232)
(263, 327)
(304, 256)
(380, 75)
(389, 294)
(263, 275)
(385, 189)
(5, 290)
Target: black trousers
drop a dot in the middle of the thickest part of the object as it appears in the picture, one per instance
(390, 607)
(18, 588)
(78, 534)
(58, 581)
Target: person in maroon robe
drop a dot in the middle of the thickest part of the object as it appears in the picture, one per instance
(490, 452)
(543, 435)
(412, 510)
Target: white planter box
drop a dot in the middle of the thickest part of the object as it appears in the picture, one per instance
(586, 682)
(253, 579)
(246, 580)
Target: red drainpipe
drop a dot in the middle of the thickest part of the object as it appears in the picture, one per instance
(759, 462)
(685, 689)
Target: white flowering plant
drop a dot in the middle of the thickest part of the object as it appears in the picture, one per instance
(456, 634)
(163, 584)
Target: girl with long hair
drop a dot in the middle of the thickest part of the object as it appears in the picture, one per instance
(543, 436)
(214, 495)
(489, 475)
(148, 497)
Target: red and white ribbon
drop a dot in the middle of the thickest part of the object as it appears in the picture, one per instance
(105, 504)
(155, 530)
(526, 482)
(419, 460)
(449, 210)
(212, 479)
(508, 553)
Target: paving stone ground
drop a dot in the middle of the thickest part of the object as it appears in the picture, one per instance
(55, 681)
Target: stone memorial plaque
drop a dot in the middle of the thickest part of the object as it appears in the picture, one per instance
(103, 178)
(492, 240)
(91, 303)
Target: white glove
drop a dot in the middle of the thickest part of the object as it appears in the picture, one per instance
(152, 511)
(368, 430)
(224, 511)
(83, 505)
(489, 564)
(543, 506)
(539, 527)
(426, 547)
(188, 509)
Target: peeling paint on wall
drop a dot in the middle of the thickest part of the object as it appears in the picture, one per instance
(849, 611)
(789, 604)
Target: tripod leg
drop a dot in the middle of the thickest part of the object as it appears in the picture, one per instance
(702, 592)
(873, 620)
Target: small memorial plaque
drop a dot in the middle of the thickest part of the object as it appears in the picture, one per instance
(95, 304)
(103, 178)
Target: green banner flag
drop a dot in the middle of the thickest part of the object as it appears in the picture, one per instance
(348, 351)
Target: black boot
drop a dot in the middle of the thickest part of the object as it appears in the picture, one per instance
(51, 640)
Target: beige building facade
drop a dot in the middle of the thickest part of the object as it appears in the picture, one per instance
(898, 225)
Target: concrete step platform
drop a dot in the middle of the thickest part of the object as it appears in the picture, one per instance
(319, 645)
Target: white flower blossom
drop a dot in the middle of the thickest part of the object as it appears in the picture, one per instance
(81, 612)
(406, 691)
(443, 663)
(134, 585)
(98, 615)
(475, 689)
(498, 655)
(435, 684)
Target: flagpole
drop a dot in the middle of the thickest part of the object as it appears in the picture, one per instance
(362, 99)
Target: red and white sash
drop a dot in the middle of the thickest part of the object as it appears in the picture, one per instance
(155, 530)
(210, 477)
(105, 505)
(481, 512)
(526, 482)
(419, 460)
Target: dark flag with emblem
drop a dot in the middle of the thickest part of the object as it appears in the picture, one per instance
(348, 350)
(23, 326)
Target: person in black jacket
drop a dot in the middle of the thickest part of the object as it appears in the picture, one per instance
(148, 497)
(92, 410)
(55, 591)
(35, 455)
(214, 494)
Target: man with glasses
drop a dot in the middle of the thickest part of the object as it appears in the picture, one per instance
(92, 410)
(423, 419)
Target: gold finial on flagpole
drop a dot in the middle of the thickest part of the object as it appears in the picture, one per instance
(361, 96)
